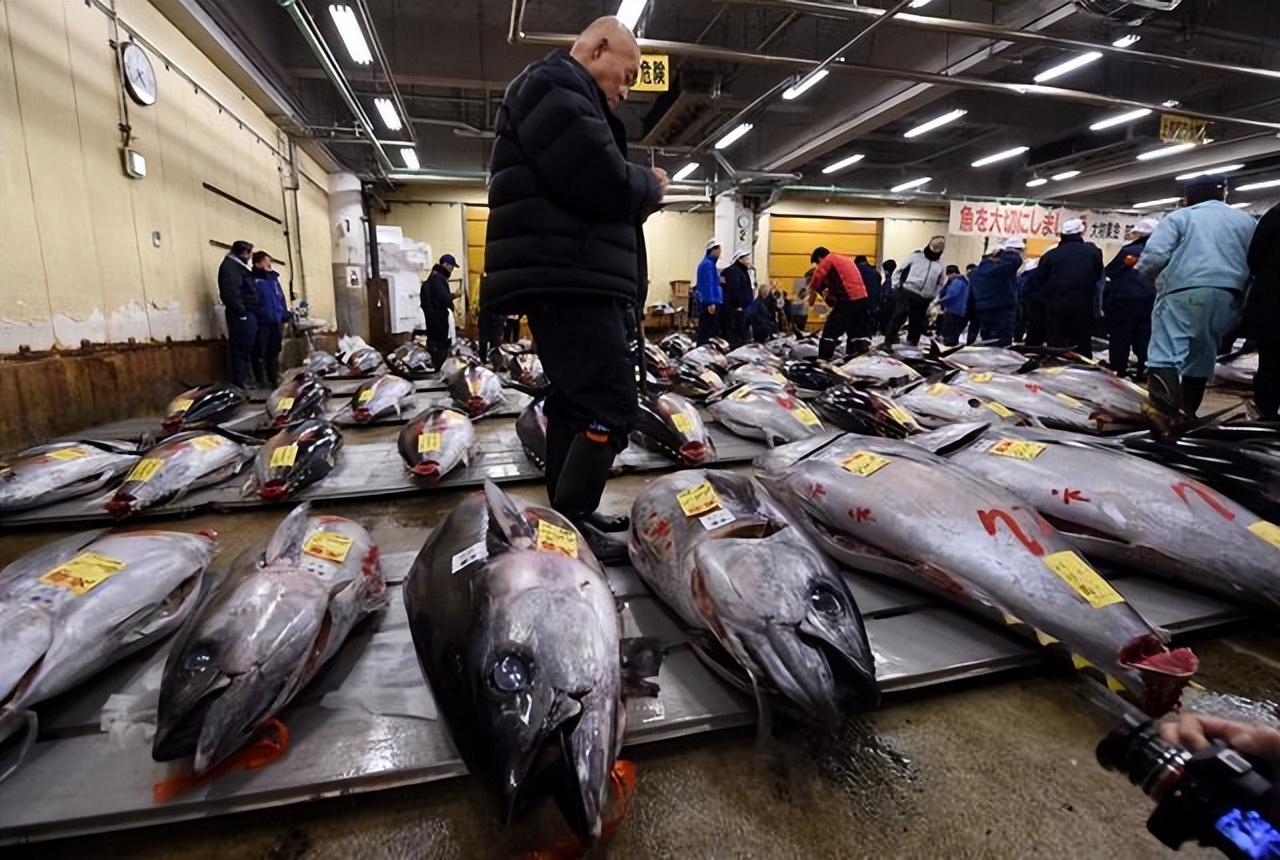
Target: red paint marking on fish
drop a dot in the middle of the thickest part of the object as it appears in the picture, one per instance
(991, 519)
(1069, 495)
(1034, 387)
(1209, 498)
(816, 490)
(859, 515)
(659, 529)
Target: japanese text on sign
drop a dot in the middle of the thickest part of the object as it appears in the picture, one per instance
(973, 218)
(654, 75)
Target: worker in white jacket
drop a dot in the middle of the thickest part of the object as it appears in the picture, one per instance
(918, 281)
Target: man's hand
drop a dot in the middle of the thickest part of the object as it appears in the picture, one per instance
(663, 182)
(1195, 731)
(711, 309)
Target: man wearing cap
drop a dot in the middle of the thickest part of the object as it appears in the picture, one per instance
(1199, 259)
(993, 291)
(1128, 300)
(1067, 279)
(738, 294)
(837, 280)
(709, 292)
(437, 301)
(919, 280)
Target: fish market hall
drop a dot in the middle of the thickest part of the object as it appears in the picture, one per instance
(639, 429)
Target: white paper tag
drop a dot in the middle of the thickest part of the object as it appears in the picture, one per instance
(476, 552)
(716, 518)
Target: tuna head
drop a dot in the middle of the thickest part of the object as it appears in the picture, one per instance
(435, 441)
(544, 659)
(777, 605)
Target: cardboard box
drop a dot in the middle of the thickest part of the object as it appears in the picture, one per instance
(680, 289)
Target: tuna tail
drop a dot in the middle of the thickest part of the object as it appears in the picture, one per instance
(1164, 672)
(288, 534)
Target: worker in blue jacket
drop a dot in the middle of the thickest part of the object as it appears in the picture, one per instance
(994, 288)
(954, 301)
(1127, 302)
(709, 292)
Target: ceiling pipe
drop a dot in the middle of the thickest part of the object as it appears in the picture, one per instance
(727, 55)
(381, 57)
(843, 11)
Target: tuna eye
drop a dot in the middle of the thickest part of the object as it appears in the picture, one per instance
(824, 600)
(198, 659)
(510, 674)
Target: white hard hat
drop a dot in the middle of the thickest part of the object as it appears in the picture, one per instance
(740, 253)
(1012, 243)
(713, 243)
(1146, 226)
(1073, 227)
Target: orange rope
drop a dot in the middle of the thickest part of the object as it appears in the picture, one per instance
(623, 780)
(267, 747)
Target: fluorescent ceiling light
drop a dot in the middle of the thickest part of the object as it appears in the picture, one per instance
(629, 12)
(345, 20)
(915, 183)
(804, 84)
(1212, 171)
(1240, 205)
(1127, 41)
(1000, 156)
(1037, 182)
(916, 4)
(843, 163)
(1163, 201)
(1165, 151)
(410, 157)
(732, 137)
(1066, 174)
(387, 111)
(1070, 65)
(1257, 186)
(1120, 119)
(685, 172)
(1171, 103)
(936, 122)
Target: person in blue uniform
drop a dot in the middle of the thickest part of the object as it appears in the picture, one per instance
(709, 292)
(1128, 300)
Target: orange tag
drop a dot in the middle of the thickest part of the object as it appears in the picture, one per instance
(83, 572)
(553, 538)
(329, 546)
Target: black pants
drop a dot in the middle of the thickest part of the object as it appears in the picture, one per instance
(242, 333)
(708, 323)
(1129, 321)
(952, 325)
(490, 332)
(914, 310)
(997, 325)
(850, 319)
(266, 353)
(1070, 326)
(438, 343)
(735, 326)
(511, 330)
(1266, 384)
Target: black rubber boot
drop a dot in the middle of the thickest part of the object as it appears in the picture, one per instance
(827, 348)
(609, 549)
(608, 522)
(1193, 394)
(1164, 398)
(559, 439)
(582, 478)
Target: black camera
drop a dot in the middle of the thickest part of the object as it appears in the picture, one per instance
(1214, 797)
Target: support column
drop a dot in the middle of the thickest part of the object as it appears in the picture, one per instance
(350, 254)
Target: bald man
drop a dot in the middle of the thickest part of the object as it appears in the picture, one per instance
(565, 248)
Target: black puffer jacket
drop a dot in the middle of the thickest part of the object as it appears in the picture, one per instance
(1070, 273)
(1262, 310)
(437, 300)
(235, 287)
(565, 205)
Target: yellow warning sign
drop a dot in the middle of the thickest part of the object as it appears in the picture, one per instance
(654, 75)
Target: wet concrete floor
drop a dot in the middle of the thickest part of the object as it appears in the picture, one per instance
(996, 768)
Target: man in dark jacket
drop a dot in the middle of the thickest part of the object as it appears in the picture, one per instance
(872, 281)
(738, 293)
(1067, 279)
(565, 246)
(1262, 312)
(273, 312)
(1127, 301)
(240, 299)
(953, 299)
(836, 279)
(437, 301)
(994, 292)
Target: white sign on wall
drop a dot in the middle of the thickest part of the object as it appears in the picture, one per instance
(973, 218)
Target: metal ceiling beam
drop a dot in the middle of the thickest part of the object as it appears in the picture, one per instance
(726, 55)
(843, 11)
(1200, 158)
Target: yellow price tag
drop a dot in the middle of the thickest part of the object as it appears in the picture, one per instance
(939, 388)
(698, 500)
(683, 423)
(182, 404)
(778, 378)
(83, 572)
(285, 455)
(428, 442)
(145, 469)
(364, 395)
(329, 546)
(902, 416)
(1018, 449)
(207, 442)
(1000, 409)
(284, 404)
(1070, 401)
(1052, 371)
(980, 377)
(710, 378)
(741, 394)
(66, 454)
(864, 463)
(1269, 532)
(1077, 573)
(805, 416)
(554, 538)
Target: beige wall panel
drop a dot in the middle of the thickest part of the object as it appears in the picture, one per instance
(437, 224)
(49, 121)
(675, 242)
(317, 250)
(24, 300)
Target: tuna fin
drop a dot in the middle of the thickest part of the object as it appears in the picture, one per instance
(288, 534)
(12, 721)
(507, 517)
(250, 484)
(1030, 365)
(641, 658)
(1045, 639)
(948, 440)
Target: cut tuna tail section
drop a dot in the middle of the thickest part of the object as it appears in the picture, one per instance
(1164, 672)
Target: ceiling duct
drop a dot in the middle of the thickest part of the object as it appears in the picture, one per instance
(1127, 9)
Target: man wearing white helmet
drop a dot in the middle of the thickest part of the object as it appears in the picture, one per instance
(993, 291)
(1128, 299)
(709, 292)
(1067, 279)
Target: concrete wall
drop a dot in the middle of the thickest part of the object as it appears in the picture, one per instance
(91, 255)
